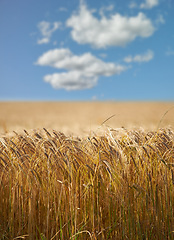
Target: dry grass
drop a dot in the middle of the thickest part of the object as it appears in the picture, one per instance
(118, 185)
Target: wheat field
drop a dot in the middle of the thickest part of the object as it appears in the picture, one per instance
(87, 171)
(80, 118)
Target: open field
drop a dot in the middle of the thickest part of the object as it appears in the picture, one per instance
(92, 181)
(82, 117)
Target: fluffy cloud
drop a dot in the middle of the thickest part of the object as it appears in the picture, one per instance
(140, 58)
(46, 29)
(82, 71)
(170, 52)
(116, 30)
(72, 80)
(104, 9)
(63, 9)
(160, 19)
(149, 4)
(133, 5)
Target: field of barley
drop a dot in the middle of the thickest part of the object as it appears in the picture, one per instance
(86, 171)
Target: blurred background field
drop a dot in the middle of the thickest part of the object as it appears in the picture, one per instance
(81, 118)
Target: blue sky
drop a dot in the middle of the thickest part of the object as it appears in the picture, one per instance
(76, 50)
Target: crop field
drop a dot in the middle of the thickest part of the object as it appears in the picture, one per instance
(86, 171)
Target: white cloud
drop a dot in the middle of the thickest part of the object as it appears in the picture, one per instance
(103, 55)
(94, 98)
(149, 4)
(63, 9)
(117, 30)
(149, 55)
(72, 80)
(170, 52)
(104, 9)
(133, 5)
(160, 19)
(46, 30)
(82, 71)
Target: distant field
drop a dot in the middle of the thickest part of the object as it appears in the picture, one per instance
(83, 117)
